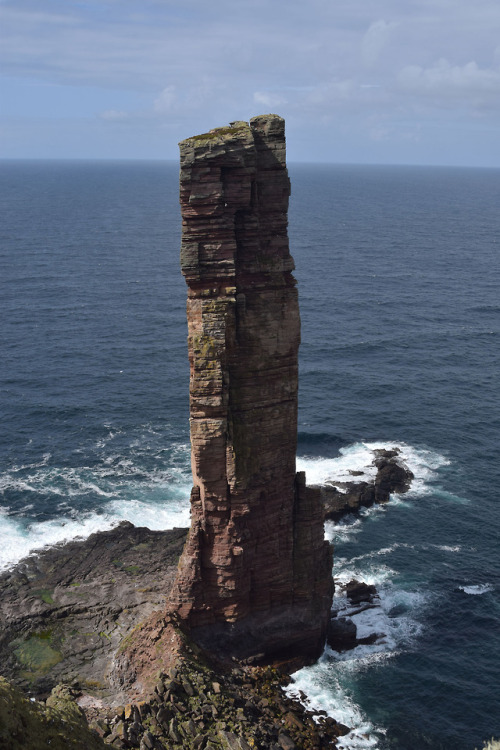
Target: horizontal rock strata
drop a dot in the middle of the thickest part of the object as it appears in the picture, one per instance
(255, 577)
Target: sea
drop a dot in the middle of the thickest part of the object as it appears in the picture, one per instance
(398, 272)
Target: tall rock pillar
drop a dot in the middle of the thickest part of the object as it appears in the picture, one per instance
(254, 579)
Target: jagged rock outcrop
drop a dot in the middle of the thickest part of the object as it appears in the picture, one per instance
(393, 476)
(255, 579)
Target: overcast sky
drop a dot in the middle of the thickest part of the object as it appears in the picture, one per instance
(361, 81)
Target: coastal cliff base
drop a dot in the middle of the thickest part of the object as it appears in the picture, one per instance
(91, 614)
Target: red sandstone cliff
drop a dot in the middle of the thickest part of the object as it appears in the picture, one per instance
(254, 580)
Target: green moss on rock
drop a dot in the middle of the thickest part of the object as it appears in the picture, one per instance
(219, 133)
(45, 595)
(36, 654)
(59, 724)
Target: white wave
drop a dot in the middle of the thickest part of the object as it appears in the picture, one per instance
(393, 617)
(372, 574)
(327, 689)
(19, 538)
(45, 459)
(355, 463)
(354, 458)
(450, 496)
(344, 530)
(55, 481)
(477, 589)
(329, 685)
(382, 551)
(107, 480)
(8, 482)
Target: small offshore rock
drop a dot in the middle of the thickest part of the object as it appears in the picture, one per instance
(341, 635)
(358, 591)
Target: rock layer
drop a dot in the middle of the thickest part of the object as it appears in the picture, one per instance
(254, 580)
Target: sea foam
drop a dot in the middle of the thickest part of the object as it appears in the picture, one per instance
(355, 463)
(327, 686)
(19, 538)
(477, 589)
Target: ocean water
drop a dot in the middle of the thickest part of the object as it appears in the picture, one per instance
(399, 281)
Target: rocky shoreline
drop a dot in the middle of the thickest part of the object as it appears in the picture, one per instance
(69, 615)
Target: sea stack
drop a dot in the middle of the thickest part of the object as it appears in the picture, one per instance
(254, 580)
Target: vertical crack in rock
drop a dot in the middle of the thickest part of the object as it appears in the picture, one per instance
(254, 579)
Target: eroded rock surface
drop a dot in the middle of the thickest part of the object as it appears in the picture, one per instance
(65, 611)
(255, 576)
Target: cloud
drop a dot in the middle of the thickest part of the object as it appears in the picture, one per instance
(166, 101)
(375, 40)
(188, 65)
(447, 84)
(268, 99)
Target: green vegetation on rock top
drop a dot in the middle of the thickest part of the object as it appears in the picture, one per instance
(59, 725)
(223, 133)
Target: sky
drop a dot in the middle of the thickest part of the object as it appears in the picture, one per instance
(357, 81)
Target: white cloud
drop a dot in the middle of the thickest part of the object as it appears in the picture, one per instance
(160, 64)
(380, 134)
(29, 18)
(166, 101)
(375, 40)
(268, 100)
(445, 83)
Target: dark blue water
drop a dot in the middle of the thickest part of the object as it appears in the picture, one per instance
(399, 279)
